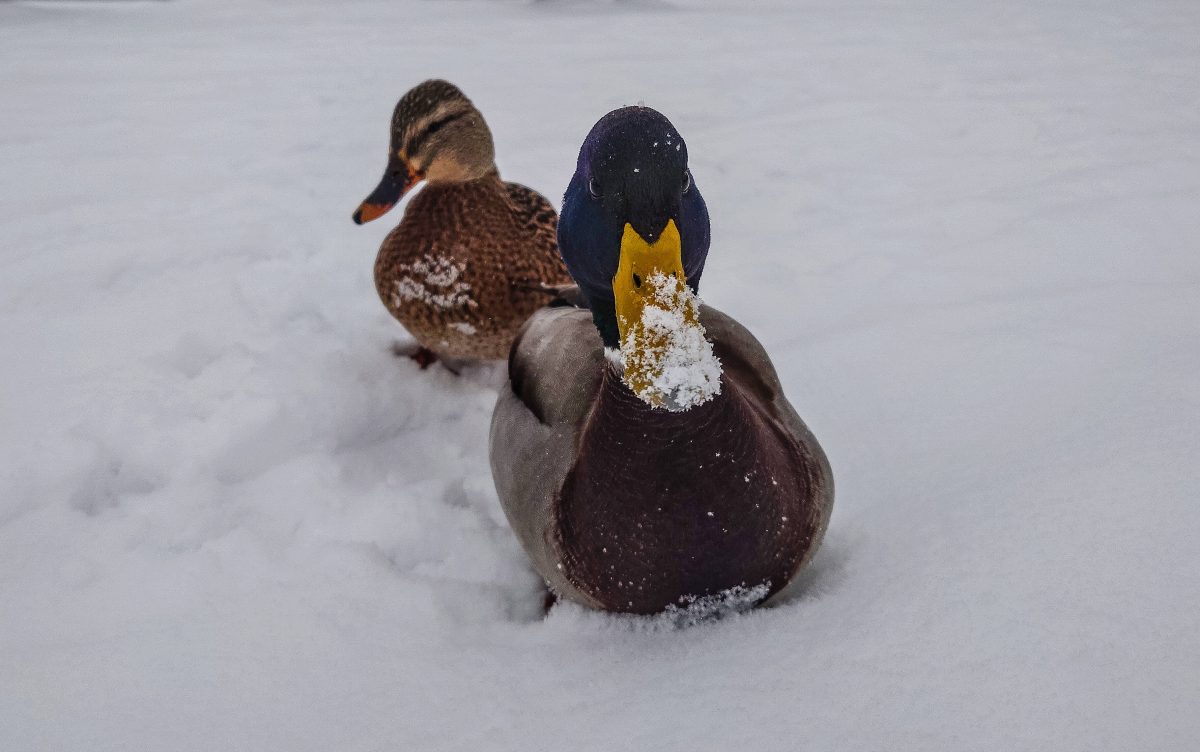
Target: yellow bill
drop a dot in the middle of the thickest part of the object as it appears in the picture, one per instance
(668, 361)
(639, 263)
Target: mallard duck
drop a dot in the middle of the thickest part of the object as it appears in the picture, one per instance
(643, 449)
(473, 255)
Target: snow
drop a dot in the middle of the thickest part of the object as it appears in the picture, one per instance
(231, 518)
(667, 360)
(435, 282)
(700, 609)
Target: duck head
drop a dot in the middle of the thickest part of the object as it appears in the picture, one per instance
(437, 135)
(631, 187)
(634, 233)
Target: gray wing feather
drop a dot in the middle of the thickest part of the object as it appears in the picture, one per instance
(554, 373)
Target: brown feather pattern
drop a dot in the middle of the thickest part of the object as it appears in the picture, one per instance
(465, 267)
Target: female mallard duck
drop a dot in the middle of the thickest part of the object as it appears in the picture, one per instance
(673, 468)
(473, 255)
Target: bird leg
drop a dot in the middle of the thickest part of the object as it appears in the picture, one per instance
(423, 356)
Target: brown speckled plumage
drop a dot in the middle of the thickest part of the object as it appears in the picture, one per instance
(473, 255)
(463, 269)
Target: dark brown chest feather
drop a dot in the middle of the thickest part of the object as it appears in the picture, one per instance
(665, 505)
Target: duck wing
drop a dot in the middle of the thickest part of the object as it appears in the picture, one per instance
(554, 372)
(540, 262)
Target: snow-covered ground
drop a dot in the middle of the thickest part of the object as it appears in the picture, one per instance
(231, 519)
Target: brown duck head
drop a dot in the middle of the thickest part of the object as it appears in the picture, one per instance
(437, 135)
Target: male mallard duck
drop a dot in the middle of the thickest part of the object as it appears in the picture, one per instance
(473, 255)
(643, 450)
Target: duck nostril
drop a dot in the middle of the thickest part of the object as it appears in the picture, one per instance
(637, 281)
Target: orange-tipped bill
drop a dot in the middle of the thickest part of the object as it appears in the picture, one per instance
(397, 180)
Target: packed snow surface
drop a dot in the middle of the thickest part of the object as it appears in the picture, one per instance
(232, 519)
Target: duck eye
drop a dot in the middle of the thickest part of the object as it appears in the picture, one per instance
(687, 180)
(593, 187)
